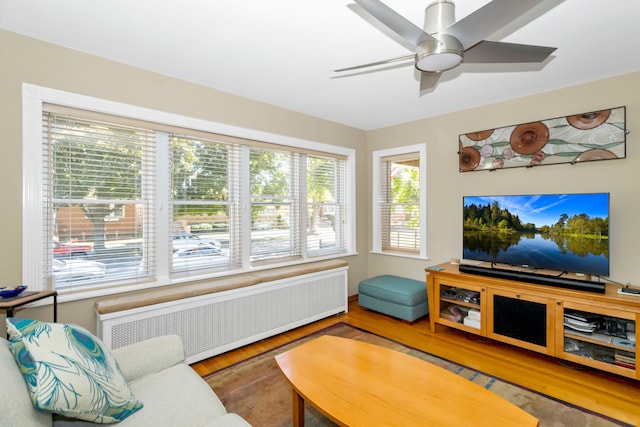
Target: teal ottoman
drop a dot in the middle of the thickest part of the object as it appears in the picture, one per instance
(396, 296)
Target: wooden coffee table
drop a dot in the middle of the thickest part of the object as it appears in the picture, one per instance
(359, 384)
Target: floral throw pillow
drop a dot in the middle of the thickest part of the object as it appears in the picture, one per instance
(70, 372)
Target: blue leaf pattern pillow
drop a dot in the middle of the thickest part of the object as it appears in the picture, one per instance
(69, 371)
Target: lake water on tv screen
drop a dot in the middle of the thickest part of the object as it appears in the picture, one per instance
(559, 253)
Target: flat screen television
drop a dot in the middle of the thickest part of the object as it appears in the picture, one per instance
(562, 232)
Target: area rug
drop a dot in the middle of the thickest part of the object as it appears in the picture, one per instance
(256, 389)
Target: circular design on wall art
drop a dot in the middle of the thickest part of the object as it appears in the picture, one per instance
(588, 120)
(529, 137)
(469, 159)
(595, 154)
(479, 136)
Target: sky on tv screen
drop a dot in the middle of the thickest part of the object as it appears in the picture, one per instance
(546, 209)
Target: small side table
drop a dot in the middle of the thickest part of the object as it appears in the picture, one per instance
(9, 304)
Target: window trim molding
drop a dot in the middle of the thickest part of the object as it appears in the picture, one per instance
(33, 99)
(377, 156)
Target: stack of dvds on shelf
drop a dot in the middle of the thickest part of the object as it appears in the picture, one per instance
(580, 323)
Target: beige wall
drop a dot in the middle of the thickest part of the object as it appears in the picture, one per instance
(446, 185)
(31, 61)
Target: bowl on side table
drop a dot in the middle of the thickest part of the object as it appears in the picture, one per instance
(11, 292)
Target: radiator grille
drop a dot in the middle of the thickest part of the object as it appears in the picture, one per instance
(219, 322)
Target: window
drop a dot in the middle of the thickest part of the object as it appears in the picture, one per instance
(326, 210)
(94, 173)
(275, 205)
(128, 198)
(204, 202)
(399, 207)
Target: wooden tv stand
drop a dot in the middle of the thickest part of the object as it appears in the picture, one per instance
(532, 316)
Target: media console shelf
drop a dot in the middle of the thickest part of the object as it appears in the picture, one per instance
(592, 329)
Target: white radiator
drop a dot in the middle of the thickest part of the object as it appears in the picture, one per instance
(214, 323)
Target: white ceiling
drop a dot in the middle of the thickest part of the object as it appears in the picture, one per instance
(282, 51)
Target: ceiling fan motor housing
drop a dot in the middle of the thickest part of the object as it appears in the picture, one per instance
(432, 56)
(439, 15)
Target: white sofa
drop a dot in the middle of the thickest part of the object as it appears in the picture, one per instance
(172, 393)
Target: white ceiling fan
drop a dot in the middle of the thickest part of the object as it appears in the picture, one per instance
(444, 44)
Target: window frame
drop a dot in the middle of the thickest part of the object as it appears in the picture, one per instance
(34, 97)
(377, 237)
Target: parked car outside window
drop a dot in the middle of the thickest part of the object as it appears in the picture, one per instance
(201, 255)
(61, 250)
(184, 239)
(70, 270)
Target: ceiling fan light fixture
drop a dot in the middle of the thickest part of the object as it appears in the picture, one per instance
(437, 62)
(436, 57)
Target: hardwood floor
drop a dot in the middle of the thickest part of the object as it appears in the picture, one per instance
(598, 391)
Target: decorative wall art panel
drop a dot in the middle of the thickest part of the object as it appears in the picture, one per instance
(598, 135)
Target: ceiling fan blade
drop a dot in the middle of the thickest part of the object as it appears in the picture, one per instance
(428, 81)
(396, 22)
(373, 64)
(488, 19)
(499, 52)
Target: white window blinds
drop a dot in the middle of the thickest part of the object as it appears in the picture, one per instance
(326, 204)
(205, 208)
(123, 198)
(99, 194)
(400, 203)
(275, 189)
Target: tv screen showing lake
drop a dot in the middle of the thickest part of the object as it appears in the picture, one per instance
(564, 232)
